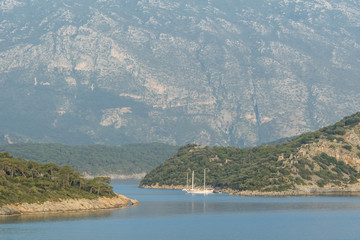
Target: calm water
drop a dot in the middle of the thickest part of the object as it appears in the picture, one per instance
(170, 214)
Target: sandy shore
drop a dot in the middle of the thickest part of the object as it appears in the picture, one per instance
(119, 201)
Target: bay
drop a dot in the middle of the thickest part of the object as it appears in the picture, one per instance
(173, 214)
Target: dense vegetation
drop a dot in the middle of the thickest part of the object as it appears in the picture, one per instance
(27, 181)
(96, 159)
(263, 168)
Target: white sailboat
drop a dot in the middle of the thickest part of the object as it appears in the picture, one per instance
(193, 190)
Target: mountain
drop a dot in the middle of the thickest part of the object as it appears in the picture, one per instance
(237, 73)
(130, 161)
(324, 161)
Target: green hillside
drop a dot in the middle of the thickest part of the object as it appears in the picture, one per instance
(96, 159)
(27, 181)
(325, 158)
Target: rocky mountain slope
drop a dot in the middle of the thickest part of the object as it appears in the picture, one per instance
(324, 161)
(211, 72)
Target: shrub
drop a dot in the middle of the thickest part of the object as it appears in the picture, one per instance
(322, 182)
(347, 147)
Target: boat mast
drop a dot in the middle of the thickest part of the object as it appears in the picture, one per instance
(187, 180)
(192, 180)
(204, 179)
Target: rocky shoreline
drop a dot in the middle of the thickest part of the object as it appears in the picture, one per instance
(306, 191)
(67, 205)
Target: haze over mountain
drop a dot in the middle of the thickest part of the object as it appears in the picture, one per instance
(210, 72)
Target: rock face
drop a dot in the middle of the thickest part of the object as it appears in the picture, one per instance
(210, 72)
(119, 201)
(346, 150)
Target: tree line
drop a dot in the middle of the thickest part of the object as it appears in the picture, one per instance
(29, 181)
(96, 159)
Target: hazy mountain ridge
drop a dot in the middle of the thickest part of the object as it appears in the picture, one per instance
(233, 73)
(129, 161)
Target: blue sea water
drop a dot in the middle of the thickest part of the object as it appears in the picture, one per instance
(173, 214)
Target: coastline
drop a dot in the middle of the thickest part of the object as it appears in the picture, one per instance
(304, 191)
(113, 176)
(68, 205)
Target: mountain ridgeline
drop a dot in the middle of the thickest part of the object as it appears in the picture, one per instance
(24, 181)
(219, 72)
(129, 161)
(324, 160)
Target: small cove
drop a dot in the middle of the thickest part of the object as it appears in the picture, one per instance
(172, 214)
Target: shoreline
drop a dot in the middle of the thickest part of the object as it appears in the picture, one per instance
(68, 205)
(113, 176)
(301, 192)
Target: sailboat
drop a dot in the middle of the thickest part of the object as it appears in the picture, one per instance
(193, 190)
(187, 182)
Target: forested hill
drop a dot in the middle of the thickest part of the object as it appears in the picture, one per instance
(96, 159)
(325, 159)
(24, 181)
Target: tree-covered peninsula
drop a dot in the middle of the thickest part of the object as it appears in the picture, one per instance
(327, 160)
(29, 182)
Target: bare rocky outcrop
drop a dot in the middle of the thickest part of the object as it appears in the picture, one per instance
(119, 201)
(346, 150)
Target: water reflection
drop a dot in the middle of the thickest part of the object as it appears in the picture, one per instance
(63, 216)
(163, 203)
(165, 209)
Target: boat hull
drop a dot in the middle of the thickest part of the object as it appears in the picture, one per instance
(200, 191)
